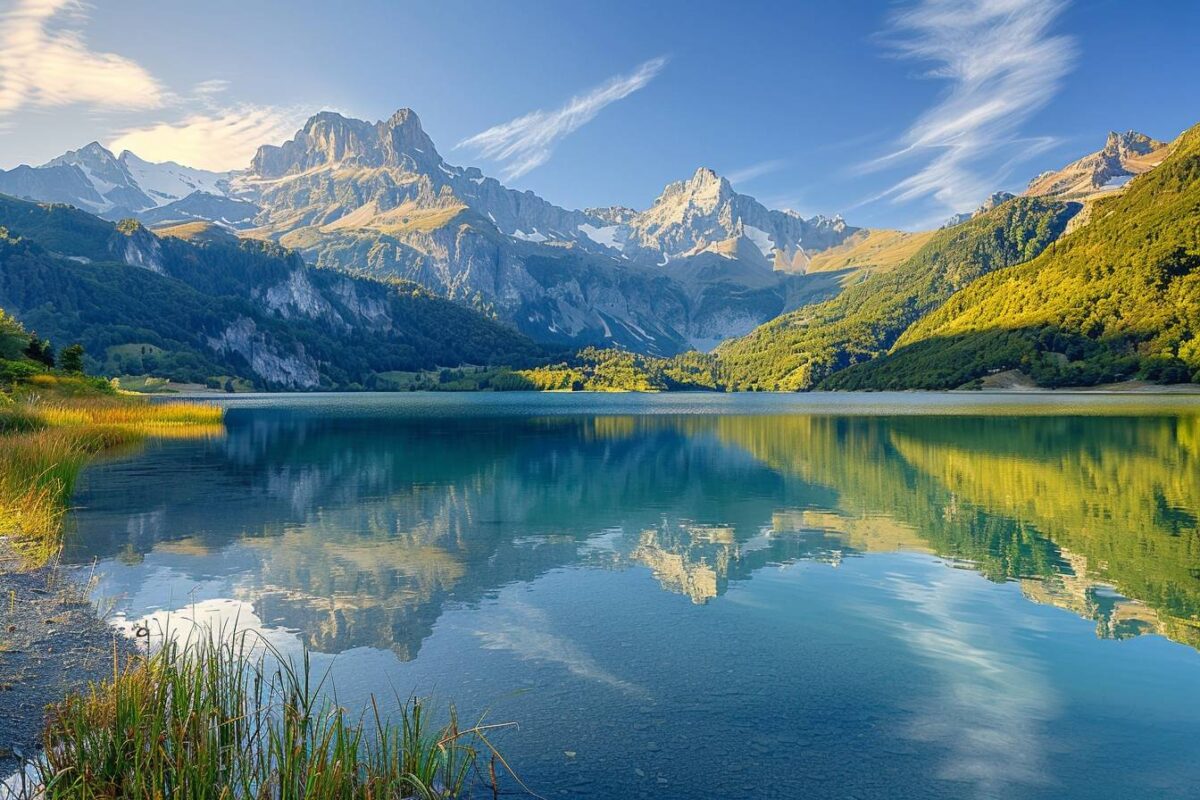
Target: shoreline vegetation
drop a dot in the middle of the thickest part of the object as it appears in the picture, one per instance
(50, 427)
(222, 714)
(618, 371)
(214, 715)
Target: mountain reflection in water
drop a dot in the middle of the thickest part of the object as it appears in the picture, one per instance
(361, 529)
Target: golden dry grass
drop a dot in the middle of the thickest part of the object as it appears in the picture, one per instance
(43, 446)
(880, 250)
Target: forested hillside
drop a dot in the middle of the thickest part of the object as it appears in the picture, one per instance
(798, 350)
(1117, 299)
(212, 305)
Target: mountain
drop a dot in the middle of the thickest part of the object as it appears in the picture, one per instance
(705, 215)
(1118, 298)
(200, 304)
(390, 177)
(378, 198)
(1124, 156)
(228, 212)
(93, 179)
(701, 265)
(166, 182)
(796, 351)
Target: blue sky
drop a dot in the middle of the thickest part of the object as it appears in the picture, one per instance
(890, 113)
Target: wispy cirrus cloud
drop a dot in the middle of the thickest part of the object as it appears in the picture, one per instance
(46, 62)
(219, 138)
(528, 142)
(1002, 65)
(747, 174)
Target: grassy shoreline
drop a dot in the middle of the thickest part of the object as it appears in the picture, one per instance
(45, 442)
(221, 714)
(216, 715)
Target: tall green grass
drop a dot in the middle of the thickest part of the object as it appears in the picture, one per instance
(222, 715)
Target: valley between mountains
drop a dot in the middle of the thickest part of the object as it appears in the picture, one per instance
(354, 256)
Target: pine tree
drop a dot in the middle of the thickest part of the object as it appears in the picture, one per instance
(72, 358)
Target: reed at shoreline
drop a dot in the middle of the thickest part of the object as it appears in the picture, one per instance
(221, 714)
(45, 443)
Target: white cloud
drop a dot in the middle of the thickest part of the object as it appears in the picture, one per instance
(525, 630)
(210, 88)
(747, 174)
(528, 142)
(991, 749)
(219, 139)
(45, 62)
(1002, 66)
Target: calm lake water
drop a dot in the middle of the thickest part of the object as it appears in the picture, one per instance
(695, 596)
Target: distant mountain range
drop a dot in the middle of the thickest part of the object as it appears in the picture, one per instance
(93, 179)
(783, 301)
(703, 263)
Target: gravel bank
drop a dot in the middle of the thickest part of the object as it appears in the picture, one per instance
(51, 642)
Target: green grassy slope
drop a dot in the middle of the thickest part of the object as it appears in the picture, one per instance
(799, 349)
(1117, 299)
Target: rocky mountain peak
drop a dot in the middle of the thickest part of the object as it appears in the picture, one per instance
(112, 186)
(1124, 155)
(403, 118)
(705, 190)
(337, 138)
(92, 154)
(328, 138)
(835, 224)
(403, 135)
(993, 200)
(707, 178)
(1130, 143)
(96, 150)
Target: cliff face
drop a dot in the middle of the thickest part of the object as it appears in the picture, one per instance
(242, 337)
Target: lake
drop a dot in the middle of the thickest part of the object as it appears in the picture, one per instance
(709, 596)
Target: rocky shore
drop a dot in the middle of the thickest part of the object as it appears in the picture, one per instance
(52, 642)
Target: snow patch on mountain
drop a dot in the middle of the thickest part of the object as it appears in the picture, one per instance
(761, 239)
(167, 181)
(605, 235)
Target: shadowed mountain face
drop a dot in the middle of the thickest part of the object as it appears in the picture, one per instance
(364, 527)
(200, 303)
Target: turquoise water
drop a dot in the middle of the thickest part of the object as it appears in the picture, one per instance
(693, 596)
